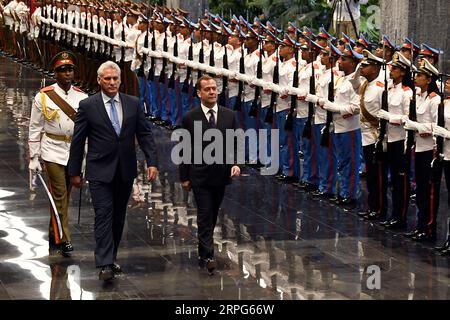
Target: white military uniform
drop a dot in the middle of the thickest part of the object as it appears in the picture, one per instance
(372, 103)
(287, 69)
(304, 78)
(234, 56)
(447, 126)
(399, 98)
(218, 63)
(250, 62)
(268, 66)
(183, 53)
(196, 55)
(131, 35)
(118, 28)
(47, 117)
(22, 12)
(426, 109)
(320, 114)
(8, 14)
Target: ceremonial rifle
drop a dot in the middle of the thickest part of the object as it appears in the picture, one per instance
(325, 138)
(307, 131)
(257, 100)
(379, 144)
(273, 95)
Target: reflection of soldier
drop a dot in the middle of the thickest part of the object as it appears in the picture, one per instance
(59, 288)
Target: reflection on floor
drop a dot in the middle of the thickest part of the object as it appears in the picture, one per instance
(272, 240)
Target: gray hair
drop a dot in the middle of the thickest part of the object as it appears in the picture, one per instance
(107, 65)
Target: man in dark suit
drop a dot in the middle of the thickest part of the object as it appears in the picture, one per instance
(207, 181)
(111, 121)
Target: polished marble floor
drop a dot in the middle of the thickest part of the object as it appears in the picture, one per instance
(272, 240)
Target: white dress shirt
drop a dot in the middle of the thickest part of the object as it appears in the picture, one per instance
(205, 110)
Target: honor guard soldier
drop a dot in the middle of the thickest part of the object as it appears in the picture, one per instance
(409, 49)
(362, 44)
(50, 134)
(288, 67)
(326, 149)
(303, 132)
(430, 54)
(347, 129)
(371, 93)
(444, 132)
(399, 102)
(428, 100)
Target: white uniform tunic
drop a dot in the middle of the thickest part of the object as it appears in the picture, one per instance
(234, 56)
(287, 69)
(372, 103)
(59, 124)
(304, 78)
(268, 66)
(250, 62)
(447, 126)
(348, 101)
(399, 98)
(426, 109)
(322, 84)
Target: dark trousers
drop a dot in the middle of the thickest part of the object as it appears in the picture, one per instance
(400, 179)
(376, 178)
(208, 201)
(110, 204)
(423, 187)
(447, 179)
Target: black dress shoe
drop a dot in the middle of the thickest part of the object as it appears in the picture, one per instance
(445, 246)
(67, 246)
(373, 215)
(385, 222)
(395, 224)
(302, 185)
(445, 252)
(106, 273)
(423, 236)
(335, 199)
(211, 266)
(288, 179)
(321, 194)
(411, 233)
(364, 213)
(347, 202)
(116, 268)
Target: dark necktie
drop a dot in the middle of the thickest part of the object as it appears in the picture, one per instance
(212, 119)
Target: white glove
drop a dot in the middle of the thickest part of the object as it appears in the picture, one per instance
(423, 128)
(299, 92)
(321, 101)
(330, 106)
(397, 118)
(410, 125)
(441, 132)
(311, 98)
(383, 114)
(34, 164)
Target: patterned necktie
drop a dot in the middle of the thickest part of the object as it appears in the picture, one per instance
(114, 117)
(212, 119)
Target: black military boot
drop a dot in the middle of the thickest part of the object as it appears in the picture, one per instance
(66, 248)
